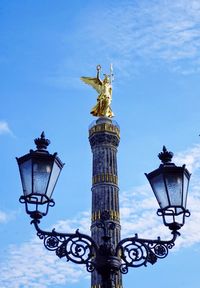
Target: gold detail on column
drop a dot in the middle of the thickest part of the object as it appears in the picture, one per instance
(99, 215)
(105, 127)
(105, 178)
(119, 253)
(111, 214)
(114, 215)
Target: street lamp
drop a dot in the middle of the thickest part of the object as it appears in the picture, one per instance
(170, 186)
(39, 172)
(104, 253)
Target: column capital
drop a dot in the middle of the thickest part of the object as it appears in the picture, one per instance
(104, 131)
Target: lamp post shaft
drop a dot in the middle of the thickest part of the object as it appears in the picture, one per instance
(104, 139)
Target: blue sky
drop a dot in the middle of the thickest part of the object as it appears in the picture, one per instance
(45, 46)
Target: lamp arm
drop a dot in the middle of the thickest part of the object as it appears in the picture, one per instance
(76, 247)
(136, 252)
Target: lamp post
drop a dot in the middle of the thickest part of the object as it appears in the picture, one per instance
(104, 253)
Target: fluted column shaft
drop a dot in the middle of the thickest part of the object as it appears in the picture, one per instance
(104, 137)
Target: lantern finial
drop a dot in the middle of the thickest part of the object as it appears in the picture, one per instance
(42, 143)
(165, 156)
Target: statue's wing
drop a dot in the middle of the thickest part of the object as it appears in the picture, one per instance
(94, 82)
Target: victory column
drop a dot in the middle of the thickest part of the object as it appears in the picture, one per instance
(104, 137)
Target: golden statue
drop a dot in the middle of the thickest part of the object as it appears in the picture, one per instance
(104, 88)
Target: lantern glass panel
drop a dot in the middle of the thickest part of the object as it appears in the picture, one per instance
(159, 190)
(185, 189)
(41, 173)
(174, 187)
(26, 176)
(54, 176)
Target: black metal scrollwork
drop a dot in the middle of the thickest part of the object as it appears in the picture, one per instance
(82, 249)
(77, 247)
(136, 252)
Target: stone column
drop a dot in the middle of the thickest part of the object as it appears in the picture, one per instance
(104, 137)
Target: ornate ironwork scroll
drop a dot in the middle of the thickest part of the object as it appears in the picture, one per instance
(136, 252)
(106, 259)
(76, 247)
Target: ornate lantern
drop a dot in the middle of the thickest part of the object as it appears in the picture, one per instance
(39, 171)
(170, 186)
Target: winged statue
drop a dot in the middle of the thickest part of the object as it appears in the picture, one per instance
(104, 89)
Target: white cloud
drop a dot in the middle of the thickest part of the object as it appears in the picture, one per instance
(7, 216)
(81, 222)
(133, 35)
(3, 217)
(30, 265)
(190, 157)
(4, 128)
(48, 270)
(130, 34)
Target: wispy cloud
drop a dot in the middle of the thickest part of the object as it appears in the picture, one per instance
(3, 217)
(191, 157)
(30, 265)
(48, 270)
(138, 214)
(131, 33)
(4, 128)
(81, 222)
(6, 216)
